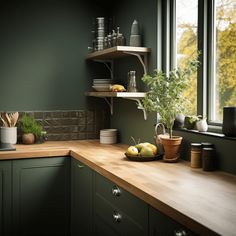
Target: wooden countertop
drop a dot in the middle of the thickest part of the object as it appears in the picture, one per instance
(205, 202)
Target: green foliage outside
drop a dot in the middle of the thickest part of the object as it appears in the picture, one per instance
(225, 79)
(29, 125)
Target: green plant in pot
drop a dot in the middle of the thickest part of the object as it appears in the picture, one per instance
(30, 128)
(165, 96)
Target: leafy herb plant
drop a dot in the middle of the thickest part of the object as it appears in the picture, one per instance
(165, 95)
(29, 125)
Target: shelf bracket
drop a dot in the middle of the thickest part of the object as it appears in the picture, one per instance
(109, 64)
(110, 104)
(143, 60)
(139, 106)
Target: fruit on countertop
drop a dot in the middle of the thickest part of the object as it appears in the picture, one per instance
(146, 151)
(132, 150)
(143, 150)
(117, 88)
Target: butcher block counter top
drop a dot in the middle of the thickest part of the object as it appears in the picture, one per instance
(205, 202)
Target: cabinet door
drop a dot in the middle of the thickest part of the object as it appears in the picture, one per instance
(160, 224)
(81, 199)
(5, 198)
(41, 200)
(118, 212)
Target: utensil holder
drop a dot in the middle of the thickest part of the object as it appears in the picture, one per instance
(9, 135)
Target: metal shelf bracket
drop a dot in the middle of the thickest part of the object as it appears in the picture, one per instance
(143, 60)
(110, 104)
(109, 64)
(139, 106)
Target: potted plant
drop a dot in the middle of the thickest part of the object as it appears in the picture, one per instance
(190, 122)
(165, 96)
(30, 128)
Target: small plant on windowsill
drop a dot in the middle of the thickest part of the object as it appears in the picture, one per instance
(165, 96)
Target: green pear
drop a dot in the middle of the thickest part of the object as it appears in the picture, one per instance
(146, 151)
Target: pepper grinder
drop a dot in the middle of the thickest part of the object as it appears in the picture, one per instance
(135, 37)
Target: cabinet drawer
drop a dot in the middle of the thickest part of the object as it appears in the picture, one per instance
(128, 203)
(109, 218)
(161, 224)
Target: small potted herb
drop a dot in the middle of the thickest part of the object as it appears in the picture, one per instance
(30, 128)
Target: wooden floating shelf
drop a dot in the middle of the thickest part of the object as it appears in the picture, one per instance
(108, 96)
(117, 94)
(118, 51)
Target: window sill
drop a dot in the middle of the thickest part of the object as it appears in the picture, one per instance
(214, 134)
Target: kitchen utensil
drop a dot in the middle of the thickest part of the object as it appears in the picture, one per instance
(3, 121)
(8, 119)
(14, 118)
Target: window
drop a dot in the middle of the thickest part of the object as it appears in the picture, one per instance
(223, 79)
(186, 45)
(214, 35)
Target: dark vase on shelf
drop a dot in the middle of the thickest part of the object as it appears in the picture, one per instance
(229, 121)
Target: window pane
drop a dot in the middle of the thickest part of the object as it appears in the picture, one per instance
(186, 40)
(224, 79)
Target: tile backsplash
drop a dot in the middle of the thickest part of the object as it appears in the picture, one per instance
(71, 124)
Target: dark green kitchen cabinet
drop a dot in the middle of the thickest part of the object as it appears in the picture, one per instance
(81, 199)
(5, 198)
(116, 211)
(160, 224)
(41, 196)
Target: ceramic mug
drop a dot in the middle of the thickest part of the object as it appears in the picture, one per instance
(9, 135)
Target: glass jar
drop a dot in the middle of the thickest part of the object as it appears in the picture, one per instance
(196, 155)
(132, 82)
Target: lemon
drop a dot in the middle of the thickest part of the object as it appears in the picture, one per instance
(132, 150)
(153, 147)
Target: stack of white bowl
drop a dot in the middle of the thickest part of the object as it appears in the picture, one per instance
(108, 136)
(102, 85)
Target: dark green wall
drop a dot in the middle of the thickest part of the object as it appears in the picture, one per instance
(127, 118)
(43, 47)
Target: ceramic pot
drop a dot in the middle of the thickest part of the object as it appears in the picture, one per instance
(171, 148)
(179, 121)
(9, 135)
(28, 138)
(202, 125)
(229, 121)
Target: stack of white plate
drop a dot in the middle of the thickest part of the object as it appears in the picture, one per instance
(108, 136)
(102, 85)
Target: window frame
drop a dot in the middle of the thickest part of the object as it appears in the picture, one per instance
(205, 74)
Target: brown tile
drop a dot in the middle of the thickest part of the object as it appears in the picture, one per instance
(82, 136)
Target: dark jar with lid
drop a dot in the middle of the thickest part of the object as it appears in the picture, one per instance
(208, 154)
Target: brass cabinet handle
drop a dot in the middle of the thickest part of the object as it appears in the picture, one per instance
(116, 191)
